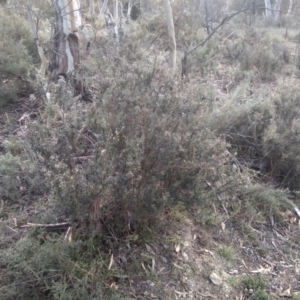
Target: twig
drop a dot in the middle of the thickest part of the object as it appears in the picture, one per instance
(47, 226)
(83, 158)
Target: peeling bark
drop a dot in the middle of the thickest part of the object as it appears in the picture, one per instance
(70, 45)
(65, 39)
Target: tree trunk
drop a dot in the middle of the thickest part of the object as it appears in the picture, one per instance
(116, 10)
(70, 40)
(172, 40)
(70, 45)
(290, 7)
(103, 8)
(128, 11)
(207, 17)
(277, 7)
(268, 9)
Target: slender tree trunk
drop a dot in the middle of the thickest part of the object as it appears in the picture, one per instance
(290, 7)
(268, 9)
(103, 8)
(128, 11)
(207, 17)
(277, 7)
(116, 10)
(172, 40)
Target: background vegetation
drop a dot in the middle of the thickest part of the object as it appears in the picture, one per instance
(152, 148)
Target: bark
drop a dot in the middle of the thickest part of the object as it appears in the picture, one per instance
(70, 41)
(70, 45)
(171, 32)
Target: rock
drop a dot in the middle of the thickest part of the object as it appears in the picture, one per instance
(215, 279)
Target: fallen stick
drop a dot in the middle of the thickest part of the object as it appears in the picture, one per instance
(48, 226)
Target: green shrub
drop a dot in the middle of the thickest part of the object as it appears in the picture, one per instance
(268, 58)
(36, 268)
(262, 130)
(17, 51)
(9, 166)
(280, 141)
(258, 285)
(262, 59)
(141, 144)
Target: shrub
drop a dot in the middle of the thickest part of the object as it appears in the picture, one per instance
(17, 50)
(263, 130)
(258, 285)
(138, 147)
(280, 141)
(36, 268)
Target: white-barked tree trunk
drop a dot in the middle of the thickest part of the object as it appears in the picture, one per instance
(171, 32)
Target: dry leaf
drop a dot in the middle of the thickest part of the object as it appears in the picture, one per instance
(208, 251)
(68, 236)
(223, 225)
(185, 256)
(149, 249)
(114, 286)
(286, 293)
(244, 264)
(262, 270)
(186, 244)
(111, 262)
(144, 267)
(153, 265)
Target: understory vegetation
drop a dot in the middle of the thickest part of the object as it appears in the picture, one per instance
(220, 145)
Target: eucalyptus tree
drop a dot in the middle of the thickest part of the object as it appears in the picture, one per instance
(69, 41)
(171, 32)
